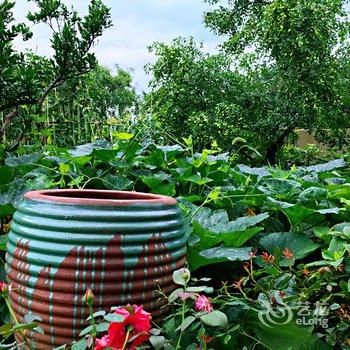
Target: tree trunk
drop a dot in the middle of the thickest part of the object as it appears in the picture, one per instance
(272, 150)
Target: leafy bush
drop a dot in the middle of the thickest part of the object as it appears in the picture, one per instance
(272, 241)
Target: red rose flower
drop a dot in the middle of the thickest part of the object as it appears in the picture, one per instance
(133, 331)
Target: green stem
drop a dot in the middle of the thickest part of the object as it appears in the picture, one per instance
(15, 320)
(93, 323)
(126, 340)
(182, 319)
(7, 301)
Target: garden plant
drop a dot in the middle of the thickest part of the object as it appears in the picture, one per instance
(267, 224)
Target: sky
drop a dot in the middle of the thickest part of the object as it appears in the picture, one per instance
(136, 25)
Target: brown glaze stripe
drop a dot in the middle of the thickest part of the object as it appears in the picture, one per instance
(98, 197)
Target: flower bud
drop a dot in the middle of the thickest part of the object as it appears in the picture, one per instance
(4, 289)
(186, 274)
(89, 297)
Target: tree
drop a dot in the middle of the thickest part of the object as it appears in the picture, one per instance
(193, 93)
(21, 80)
(300, 42)
(85, 106)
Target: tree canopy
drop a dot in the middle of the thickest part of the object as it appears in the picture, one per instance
(284, 65)
(25, 81)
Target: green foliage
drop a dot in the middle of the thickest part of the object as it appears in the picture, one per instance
(26, 80)
(193, 93)
(283, 66)
(94, 106)
(276, 238)
(304, 41)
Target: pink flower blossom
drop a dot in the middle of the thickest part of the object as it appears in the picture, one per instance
(203, 304)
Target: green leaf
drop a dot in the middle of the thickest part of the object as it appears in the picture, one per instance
(174, 295)
(6, 174)
(3, 241)
(328, 211)
(186, 322)
(214, 227)
(336, 250)
(298, 213)
(32, 317)
(158, 185)
(240, 224)
(114, 318)
(329, 166)
(232, 254)
(20, 326)
(197, 179)
(5, 328)
(100, 313)
(261, 172)
(157, 341)
(298, 243)
(119, 183)
(288, 336)
(86, 330)
(22, 160)
(313, 193)
(123, 135)
(181, 276)
(237, 239)
(215, 318)
(88, 148)
(218, 222)
(278, 204)
(80, 345)
(280, 187)
(102, 327)
(104, 155)
(200, 289)
(64, 168)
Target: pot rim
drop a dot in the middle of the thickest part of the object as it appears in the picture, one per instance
(98, 197)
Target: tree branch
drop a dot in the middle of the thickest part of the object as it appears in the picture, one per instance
(57, 82)
(7, 121)
(20, 102)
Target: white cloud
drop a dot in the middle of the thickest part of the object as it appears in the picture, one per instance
(137, 24)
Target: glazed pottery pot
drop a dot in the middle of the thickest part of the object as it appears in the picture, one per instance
(121, 245)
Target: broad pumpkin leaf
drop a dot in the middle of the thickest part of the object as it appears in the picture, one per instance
(313, 193)
(160, 183)
(24, 160)
(231, 254)
(298, 243)
(214, 227)
(88, 148)
(261, 172)
(120, 183)
(104, 155)
(288, 336)
(6, 174)
(298, 213)
(329, 166)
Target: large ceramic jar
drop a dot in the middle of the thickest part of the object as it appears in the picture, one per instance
(121, 245)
